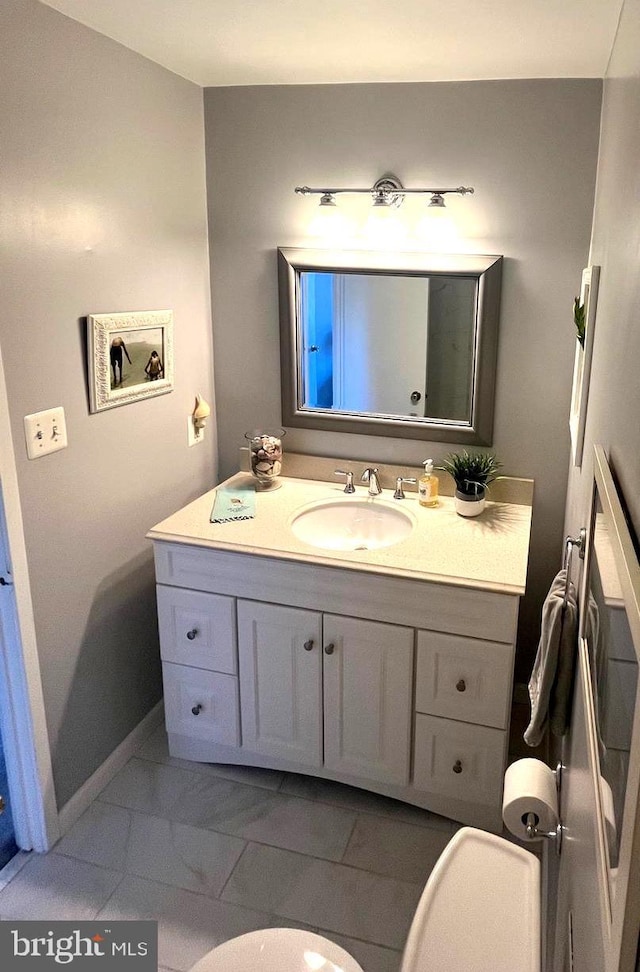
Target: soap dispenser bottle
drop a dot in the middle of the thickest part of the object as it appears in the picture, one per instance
(428, 485)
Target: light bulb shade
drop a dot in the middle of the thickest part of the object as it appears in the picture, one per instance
(437, 201)
(327, 199)
(201, 412)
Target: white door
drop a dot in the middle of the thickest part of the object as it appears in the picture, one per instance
(368, 670)
(280, 667)
(24, 729)
(380, 343)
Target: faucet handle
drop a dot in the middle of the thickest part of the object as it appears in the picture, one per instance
(399, 493)
(349, 488)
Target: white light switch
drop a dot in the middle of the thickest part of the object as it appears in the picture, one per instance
(45, 432)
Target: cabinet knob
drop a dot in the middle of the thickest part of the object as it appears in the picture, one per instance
(308, 645)
(461, 685)
(197, 709)
(457, 766)
(328, 649)
(192, 634)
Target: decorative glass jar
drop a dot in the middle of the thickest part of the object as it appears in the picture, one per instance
(265, 455)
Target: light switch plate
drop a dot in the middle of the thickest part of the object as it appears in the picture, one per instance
(45, 432)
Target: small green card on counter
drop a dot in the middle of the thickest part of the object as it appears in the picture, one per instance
(233, 503)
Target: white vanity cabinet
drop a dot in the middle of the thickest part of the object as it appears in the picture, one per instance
(395, 684)
(326, 690)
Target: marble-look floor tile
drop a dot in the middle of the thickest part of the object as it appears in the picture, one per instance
(149, 787)
(99, 836)
(152, 847)
(395, 848)
(189, 925)
(232, 808)
(156, 748)
(272, 818)
(353, 798)
(58, 888)
(333, 897)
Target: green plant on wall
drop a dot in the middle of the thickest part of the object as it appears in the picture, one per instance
(579, 320)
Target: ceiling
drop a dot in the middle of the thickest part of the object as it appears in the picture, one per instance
(237, 42)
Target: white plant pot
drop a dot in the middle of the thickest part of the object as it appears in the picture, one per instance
(466, 505)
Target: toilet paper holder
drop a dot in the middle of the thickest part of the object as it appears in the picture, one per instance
(531, 820)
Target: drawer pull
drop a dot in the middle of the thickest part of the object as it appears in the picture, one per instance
(191, 635)
(328, 649)
(197, 709)
(308, 645)
(461, 685)
(457, 766)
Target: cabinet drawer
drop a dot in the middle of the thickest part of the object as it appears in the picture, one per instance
(457, 760)
(197, 629)
(201, 704)
(464, 679)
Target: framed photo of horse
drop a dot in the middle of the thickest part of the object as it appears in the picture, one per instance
(130, 357)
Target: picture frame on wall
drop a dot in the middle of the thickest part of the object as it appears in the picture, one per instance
(130, 357)
(586, 307)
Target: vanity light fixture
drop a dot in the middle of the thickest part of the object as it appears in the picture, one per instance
(386, 192)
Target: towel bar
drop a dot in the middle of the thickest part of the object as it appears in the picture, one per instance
(569, 544)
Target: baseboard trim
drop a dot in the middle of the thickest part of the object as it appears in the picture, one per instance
(84, 797)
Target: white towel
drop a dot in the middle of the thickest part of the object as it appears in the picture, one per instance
(551, 682)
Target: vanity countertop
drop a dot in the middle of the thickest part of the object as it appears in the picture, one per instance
(488, 552)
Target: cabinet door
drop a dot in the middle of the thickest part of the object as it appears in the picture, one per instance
(280, 661)
(367, 698)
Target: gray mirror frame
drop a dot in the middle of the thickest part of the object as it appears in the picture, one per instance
(486, 267)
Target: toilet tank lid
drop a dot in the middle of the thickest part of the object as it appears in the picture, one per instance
(480, 909)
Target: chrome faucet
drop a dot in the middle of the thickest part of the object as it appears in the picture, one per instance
(370, 475)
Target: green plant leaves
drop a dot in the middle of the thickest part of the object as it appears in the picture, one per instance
(471, 469)
(579, 320)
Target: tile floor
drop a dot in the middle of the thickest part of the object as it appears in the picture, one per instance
(212, 852)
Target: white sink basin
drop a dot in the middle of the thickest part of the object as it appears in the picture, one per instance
(352, 524)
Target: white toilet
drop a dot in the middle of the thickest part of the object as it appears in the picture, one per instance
(479, 912)
(278, 950)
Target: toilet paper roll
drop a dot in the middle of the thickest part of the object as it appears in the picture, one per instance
(529, 787)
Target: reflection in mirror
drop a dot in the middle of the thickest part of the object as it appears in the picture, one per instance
(609, 647)
(614, 669)
(389, 344)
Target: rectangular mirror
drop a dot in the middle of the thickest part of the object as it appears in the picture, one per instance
(399, 344)
(610, 643)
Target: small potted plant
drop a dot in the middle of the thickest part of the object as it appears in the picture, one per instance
(472, 472)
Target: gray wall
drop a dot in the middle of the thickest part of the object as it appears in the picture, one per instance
(613, 415)
(102, 208)
(529, 149)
